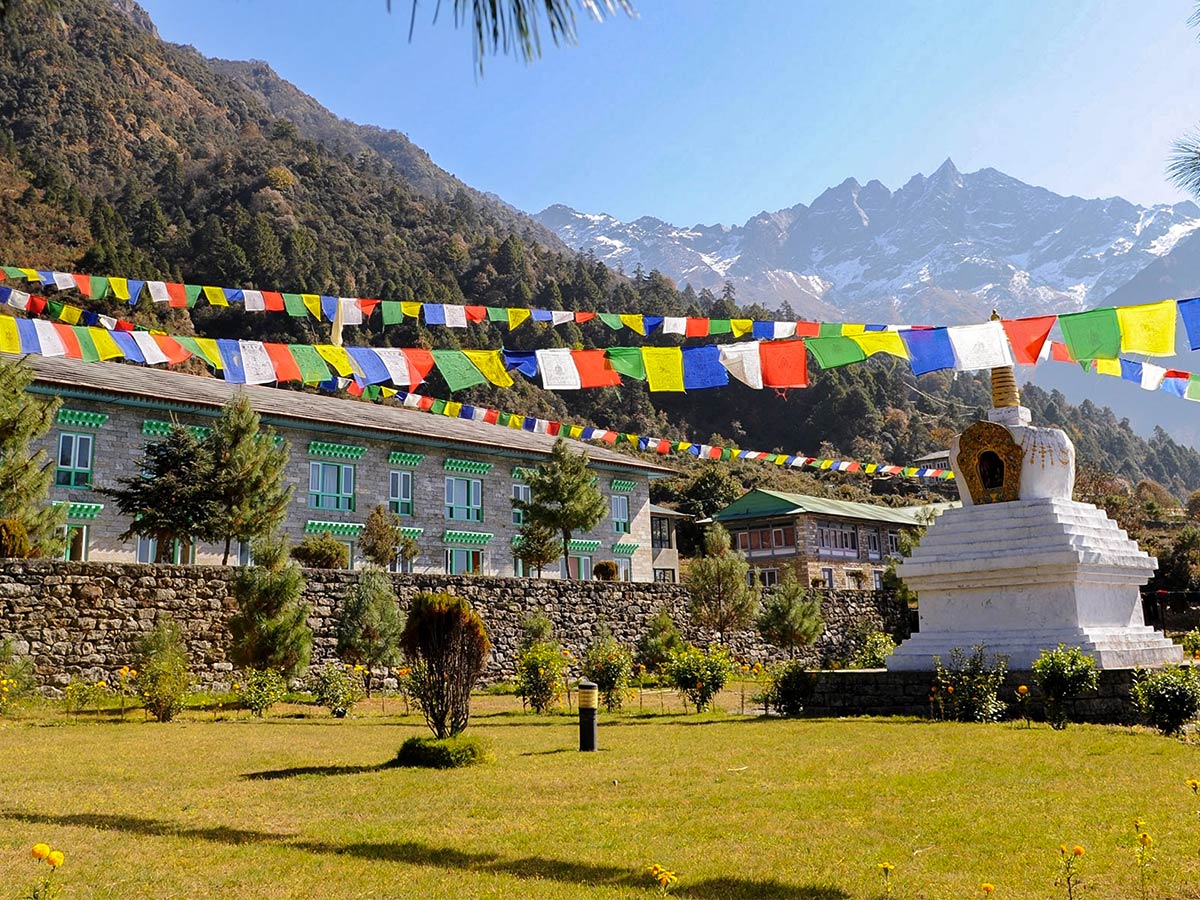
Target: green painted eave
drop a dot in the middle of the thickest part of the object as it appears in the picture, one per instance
(623, 485)
(78, 418)
(625, 549)
(412, 533)
(467, 466)
(336, 451)
(471, 538)
(399, 458)
(581, 546)
(157, 428)
(80, 511)
(337, 529)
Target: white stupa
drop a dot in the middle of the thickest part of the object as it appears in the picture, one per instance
(1022, 567)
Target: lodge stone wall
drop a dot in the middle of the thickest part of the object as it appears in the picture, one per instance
(83, 619)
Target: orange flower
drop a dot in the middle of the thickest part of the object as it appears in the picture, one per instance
(41, 851)
(1078, 851)
(987, 887)
(1023, 690)
(55, 859)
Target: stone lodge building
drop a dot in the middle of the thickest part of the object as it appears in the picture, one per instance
(840, 544)
(452, 481)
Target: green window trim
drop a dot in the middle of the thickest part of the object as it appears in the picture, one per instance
(73, 463)
(582, 546)
(157, 428)
(80, 511)
(400, 458)
(470, 538)
(412, 533)
(625, 548)
(467, 466)
(337, 529)
(77, 418)
(336, 451)
(331, 485)
(623, 485)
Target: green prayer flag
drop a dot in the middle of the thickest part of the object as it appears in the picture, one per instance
(832, 352)
(627, 361)
(497, 314)
(192, 292)
(371, 392)
(830, 329)
(503, 419)
(458, 371)
(295, 306)
(54, 308)
(1193, 388)
(439, 406)
(12, 272)
(86, 345)
(99, 287)
(611, 320)
(1095, 334)
(312, 365)
(392, 312)
(189, 344)
(719, 326)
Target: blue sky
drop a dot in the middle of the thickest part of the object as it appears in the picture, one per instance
(702, 111)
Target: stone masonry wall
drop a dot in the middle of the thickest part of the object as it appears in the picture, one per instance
(83, 619)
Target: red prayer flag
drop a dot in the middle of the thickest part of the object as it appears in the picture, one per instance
(171, 348)
(425, 403)
(609, 437)
(35, 306)
(367, 306)
(784, 364)
(123, 325)
(273, 301)
(492, 416)
(70, 341)
(475, 313)
(84, 283)
(581, 317)
(1027, 337)
(420, 364)
(696, 327)
(595, 369)
(808, 329)
(1059, 352)
(553, 428)
(663, 447)
(176, 295)
(283, 362)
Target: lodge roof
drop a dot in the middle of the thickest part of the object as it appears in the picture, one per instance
(656, 510)
(760, 503)
(159, 388)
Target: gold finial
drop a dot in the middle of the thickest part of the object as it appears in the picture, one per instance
(1004, 382)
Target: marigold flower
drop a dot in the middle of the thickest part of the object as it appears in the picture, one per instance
(133, 673)
(41, 851)
(55, 858)
(1023, 690)
(1145, 840)
(1194, 784)
(886, 867)
(987, 887)
(950, 689)
(1077, 850)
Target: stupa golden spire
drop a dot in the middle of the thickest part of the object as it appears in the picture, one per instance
(1004, 382)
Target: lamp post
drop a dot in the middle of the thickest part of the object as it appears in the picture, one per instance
(589, 702)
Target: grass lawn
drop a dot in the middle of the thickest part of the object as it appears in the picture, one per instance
(301, 806)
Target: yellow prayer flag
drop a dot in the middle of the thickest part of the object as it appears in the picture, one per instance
(517, 423)
(312, 302)
(451, 409)
(826, 463)
(871, 468)
(575, 431)
(664, 368)
(214, 295)
(10, 340)
(1108, 366)
(873, 342)
(388, 392)
(31, 275)
(516, 317)
(70, 314)
(491, 365)
(411, 310)
(120, 288)
(740, 327)
(1148, 329)
(208, 347)
(336, 357)
(849, 330)
(634, 323)
(105, 345)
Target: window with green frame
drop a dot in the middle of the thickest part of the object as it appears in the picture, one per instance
(464, 500)
(74, 460)
(330, 486)
(461, 561)
(75, 542)
(400, 493)
(620, 513)
(520, 492)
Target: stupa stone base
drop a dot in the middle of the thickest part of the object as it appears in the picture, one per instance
(1116, 648)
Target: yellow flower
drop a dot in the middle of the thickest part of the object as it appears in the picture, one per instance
(1145, 840)
(1077, 850)
(1023, 690)
(1138, 823)
(1194, 784)
(55, 859)
(41, 851)
(886, 868)
(987, 887)
(133, 673)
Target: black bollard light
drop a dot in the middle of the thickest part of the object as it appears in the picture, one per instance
(589, 701)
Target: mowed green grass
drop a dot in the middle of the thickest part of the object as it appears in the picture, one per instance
(740, 807)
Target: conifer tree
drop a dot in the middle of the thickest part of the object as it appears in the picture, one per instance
(383, 538)
(170, 498)
(270, 629)
(371, 624)
(537, 546)
(26, 475)
(790, 616)
(564, 495)
(723, 598)
(248, 479)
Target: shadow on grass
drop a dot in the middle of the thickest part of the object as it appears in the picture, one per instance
(298, 771)
(419, 854)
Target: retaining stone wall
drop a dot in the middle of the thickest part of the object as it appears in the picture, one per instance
(83, 619)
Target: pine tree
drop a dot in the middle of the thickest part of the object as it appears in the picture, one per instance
(565, 496)
(270, 629)
(371, 624)
(537, 546)
(171, 496)
(249, 482)
(383, 538)
(791, 616)
(723, 599)
(25, 474)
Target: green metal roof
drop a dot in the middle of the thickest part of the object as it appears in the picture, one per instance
(760, 503)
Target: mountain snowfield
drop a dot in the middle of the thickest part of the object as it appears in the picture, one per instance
(943, 249)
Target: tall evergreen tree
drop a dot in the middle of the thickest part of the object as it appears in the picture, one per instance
(26, 475)
(270, 629)
(249, 482)
(565, 498)
(369, 633)
(171, 497)
(791, 615)
(537, 546)
(723, 598)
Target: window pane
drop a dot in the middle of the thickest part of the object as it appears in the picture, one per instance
(314, 477)
(347, 479)
(66, 449)
(83, 451)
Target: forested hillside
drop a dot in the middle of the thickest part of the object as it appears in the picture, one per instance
(121, 154)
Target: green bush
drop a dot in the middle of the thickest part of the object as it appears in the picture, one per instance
(163, 680)
(1191, 640)
(1169, 698)
(536, 628)
(17, 678)
(876, 647)
(442, 753)
(14, 540)
(82, 694)
(605, 570)
(337, 687)
(321, 551)
(968, 690)
(660, 640)
(791, 687)
(259, 690)
(1063, 674)
(699, 674)
(540, 675)
(610, 666)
